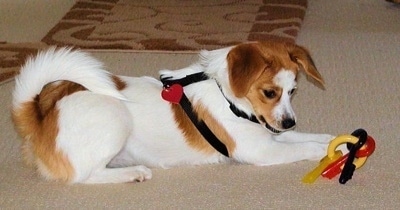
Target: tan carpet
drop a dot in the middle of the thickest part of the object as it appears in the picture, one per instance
(356, 46)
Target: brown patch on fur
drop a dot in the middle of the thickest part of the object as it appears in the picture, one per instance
(215, 127)
(302, 57)
(194, 137)
(245, 65)
(119, 84)
(53, 92)
(247, 62)
(262, 105)
(36, 122)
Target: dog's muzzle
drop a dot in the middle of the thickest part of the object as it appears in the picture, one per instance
(288, 123)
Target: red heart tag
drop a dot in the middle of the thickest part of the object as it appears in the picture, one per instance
(173, 93)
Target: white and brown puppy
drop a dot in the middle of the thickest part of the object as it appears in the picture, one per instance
(82, 124)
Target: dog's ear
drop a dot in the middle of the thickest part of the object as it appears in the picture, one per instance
(302, 57)
(245, 65)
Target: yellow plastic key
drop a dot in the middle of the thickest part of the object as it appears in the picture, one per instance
(314, 174)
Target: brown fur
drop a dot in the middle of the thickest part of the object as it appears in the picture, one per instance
(119, 84)
(39, 147)
(262, 105)
(194, 137)
(248, 62)
(302, 57)
(53, 92)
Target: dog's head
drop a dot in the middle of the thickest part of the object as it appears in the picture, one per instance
(265, 73)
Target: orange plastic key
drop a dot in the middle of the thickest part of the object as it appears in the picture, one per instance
(335, 168)
(314, 174)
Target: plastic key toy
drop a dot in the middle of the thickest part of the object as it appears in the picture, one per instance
(325, 162)
(360, 146)
(336, 167)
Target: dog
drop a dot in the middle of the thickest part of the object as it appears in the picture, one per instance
(82, 124)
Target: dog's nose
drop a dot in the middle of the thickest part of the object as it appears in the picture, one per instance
(288, 123)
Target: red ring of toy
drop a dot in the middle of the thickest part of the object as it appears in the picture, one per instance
(369, 148)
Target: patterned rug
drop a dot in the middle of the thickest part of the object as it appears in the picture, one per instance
(168, 25)
(13, 55)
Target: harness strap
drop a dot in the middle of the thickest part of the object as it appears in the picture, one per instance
(188, 108)
(187, 80)
(202, 127)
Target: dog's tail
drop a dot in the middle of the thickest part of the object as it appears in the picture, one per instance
(62, 64)
(56, 65)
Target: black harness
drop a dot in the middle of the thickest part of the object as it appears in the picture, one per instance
(186, 105)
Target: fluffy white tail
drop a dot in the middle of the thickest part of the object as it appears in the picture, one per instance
(62, 64)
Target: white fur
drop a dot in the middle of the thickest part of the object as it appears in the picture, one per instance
(285, 79)
(134, 128)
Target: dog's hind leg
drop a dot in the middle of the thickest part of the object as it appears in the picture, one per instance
(92, 132)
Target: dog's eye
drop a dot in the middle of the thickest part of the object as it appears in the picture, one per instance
(292, 91)
(270, 94)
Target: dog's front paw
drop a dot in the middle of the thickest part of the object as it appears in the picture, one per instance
(316, 151)
(325, 138)
(328, 138)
